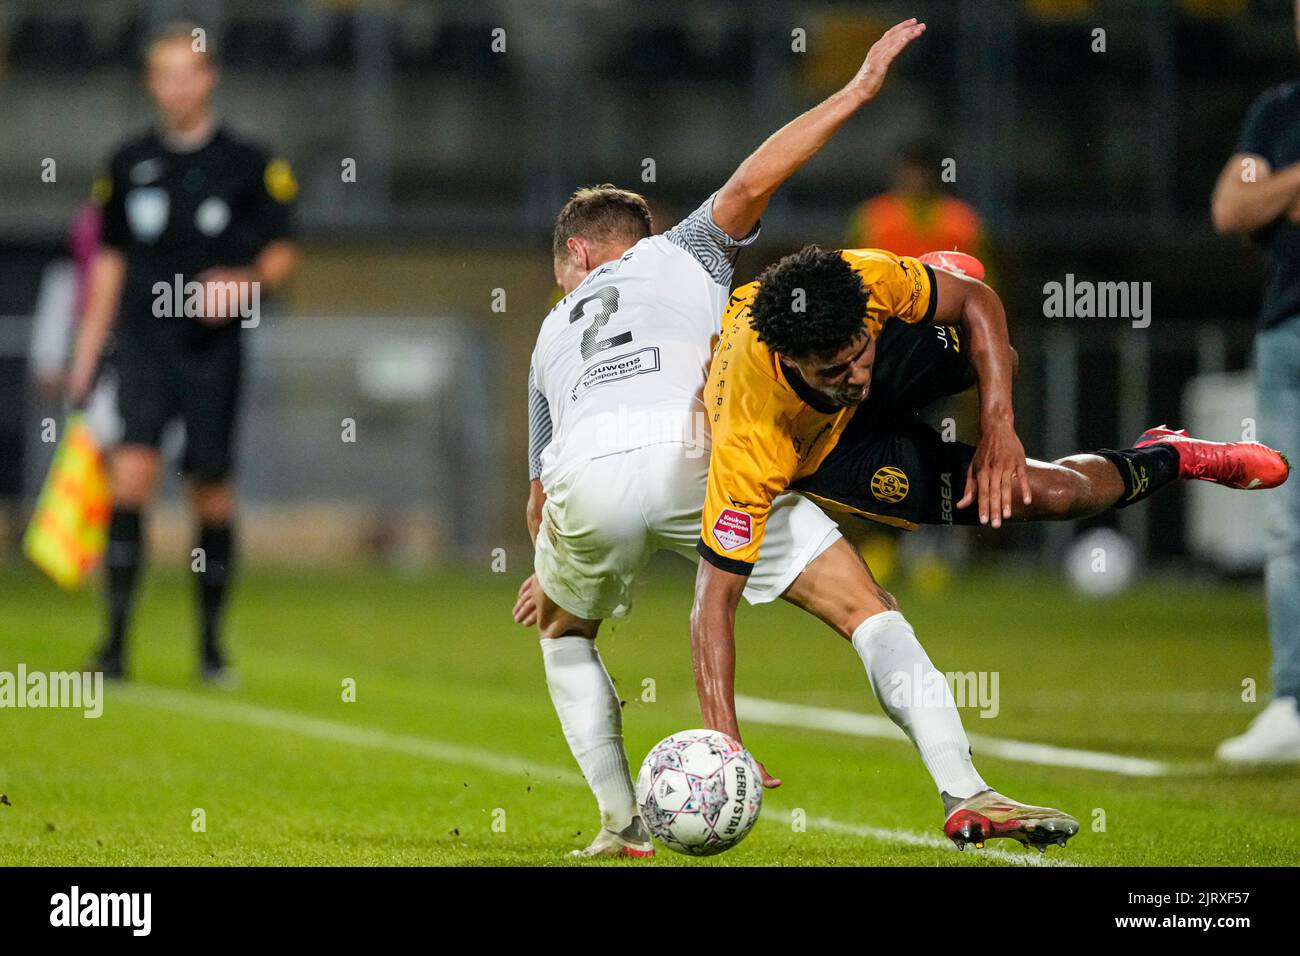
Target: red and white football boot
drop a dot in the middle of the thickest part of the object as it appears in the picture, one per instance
(634, 841)
(962, 263)
(1234, 464)
(988, 815)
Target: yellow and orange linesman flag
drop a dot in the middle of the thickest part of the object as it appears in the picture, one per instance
(69, 528)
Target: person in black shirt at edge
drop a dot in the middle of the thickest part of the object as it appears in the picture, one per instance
(1258, 194)
(197, 229)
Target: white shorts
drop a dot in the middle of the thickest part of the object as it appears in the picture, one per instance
(606, 516)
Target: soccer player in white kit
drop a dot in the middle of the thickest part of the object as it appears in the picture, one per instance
(618, 455)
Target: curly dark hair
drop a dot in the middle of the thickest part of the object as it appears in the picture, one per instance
(810, 304)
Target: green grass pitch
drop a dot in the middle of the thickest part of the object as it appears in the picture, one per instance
(451, 754)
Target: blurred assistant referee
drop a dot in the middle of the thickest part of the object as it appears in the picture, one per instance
(197, 226)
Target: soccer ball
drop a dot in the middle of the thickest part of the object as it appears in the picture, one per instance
(699, 792)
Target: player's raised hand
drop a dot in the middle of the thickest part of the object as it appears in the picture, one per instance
(996, 474)
(741, 200)
(871, 76)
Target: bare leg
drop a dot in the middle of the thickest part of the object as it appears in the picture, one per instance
(1073, 487)
(554, 621)
(212, 500)
(839, 589)
(133, 473)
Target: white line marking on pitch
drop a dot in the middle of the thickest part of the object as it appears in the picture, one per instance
(333, 731)
(869, 725)
(909, 838)
(1160, 702)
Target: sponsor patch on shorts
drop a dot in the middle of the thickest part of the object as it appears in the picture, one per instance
(733, 529)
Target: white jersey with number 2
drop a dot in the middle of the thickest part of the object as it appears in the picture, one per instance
(621, 360)
(617, 430)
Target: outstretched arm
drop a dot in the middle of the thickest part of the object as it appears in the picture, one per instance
(713, 650)
(741, 202)
(999, 468)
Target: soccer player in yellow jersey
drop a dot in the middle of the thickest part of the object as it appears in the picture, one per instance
(820, 370)
(771, 427)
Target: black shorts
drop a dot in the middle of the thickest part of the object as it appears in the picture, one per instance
(889, 465)
(180, 370)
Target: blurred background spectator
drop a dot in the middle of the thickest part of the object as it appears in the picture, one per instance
(915, 215)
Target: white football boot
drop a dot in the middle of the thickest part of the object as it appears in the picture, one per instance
(988, 815)
(1273, 736)
(633, 840)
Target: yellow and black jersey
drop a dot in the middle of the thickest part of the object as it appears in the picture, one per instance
(769, 429)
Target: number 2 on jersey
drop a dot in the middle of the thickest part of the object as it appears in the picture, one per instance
(608, 298)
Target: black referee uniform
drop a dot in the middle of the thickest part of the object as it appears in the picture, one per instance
(175, 214)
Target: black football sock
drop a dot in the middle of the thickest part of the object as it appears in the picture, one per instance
(1143, 470)
(122, 564)
(216, 542)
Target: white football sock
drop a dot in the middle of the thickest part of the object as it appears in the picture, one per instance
(901, 675)
(589, 713)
